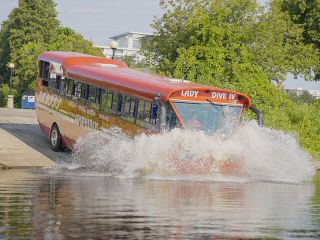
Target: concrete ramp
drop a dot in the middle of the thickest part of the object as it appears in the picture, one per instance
(22, 144)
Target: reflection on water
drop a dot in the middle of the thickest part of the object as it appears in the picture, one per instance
(42, 206)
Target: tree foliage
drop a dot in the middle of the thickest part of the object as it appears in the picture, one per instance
(32, 28)
(304, 97)
(306, 14)
(237, 44)
(215, 36)
(32, 21)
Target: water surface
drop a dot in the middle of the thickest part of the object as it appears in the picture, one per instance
(81, 205)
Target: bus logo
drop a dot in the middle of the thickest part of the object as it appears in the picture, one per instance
(49, 100)
(223, 96)
(189, 93)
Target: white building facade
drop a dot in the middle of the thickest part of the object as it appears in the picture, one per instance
(300, 91)
(129, 43)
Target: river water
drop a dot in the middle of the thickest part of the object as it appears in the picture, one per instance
(35, 204)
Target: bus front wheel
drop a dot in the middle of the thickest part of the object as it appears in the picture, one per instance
(55, 138)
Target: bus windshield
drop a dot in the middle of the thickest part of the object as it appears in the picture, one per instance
(207, 116)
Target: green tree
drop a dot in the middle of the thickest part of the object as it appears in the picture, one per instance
(69, 40)
(25, 59)
(32, 21)
(213, 37)
(304, 97)
(135, 61)
(32, 28)
(306, 13)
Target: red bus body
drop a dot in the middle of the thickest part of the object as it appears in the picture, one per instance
(76, 116)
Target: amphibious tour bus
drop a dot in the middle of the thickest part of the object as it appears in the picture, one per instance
(77, 93)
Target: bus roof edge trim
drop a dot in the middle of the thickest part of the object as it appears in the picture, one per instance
(70, 58)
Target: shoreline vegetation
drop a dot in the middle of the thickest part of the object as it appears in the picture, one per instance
(232, 44)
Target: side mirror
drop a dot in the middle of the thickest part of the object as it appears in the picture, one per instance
(259, 115)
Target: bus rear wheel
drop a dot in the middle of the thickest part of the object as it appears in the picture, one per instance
(55, 138)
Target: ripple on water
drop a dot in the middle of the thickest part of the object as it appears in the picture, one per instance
(58, 206)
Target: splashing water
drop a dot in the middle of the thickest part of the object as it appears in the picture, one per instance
(260, 153)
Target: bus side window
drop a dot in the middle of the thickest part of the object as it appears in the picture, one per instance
(130, 106)
(141, 109)
(44, 73)
(98, 95)
(147, 112)
(134, 109)
(83, 91)
(76, 92)
(58, 82)
(93, 97)
(144, 111)
(121, 101)
(91, 93)
(40, 68)
(44, 70)
(114, 101)
(54, 83)
(68, 86)
(106, 101)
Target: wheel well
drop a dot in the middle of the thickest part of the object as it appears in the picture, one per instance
(54, 124)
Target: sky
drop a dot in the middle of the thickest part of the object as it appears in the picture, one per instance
(98, 20)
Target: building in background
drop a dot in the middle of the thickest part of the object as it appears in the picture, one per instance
(129, 43)
(300, 91)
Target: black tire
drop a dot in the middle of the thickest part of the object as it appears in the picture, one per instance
(55, 138)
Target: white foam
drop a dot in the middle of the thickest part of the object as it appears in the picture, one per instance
(265, 154)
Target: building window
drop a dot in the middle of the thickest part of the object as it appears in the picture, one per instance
(123, 42)
(137, 43)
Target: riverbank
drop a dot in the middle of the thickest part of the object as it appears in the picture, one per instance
(22, 145)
